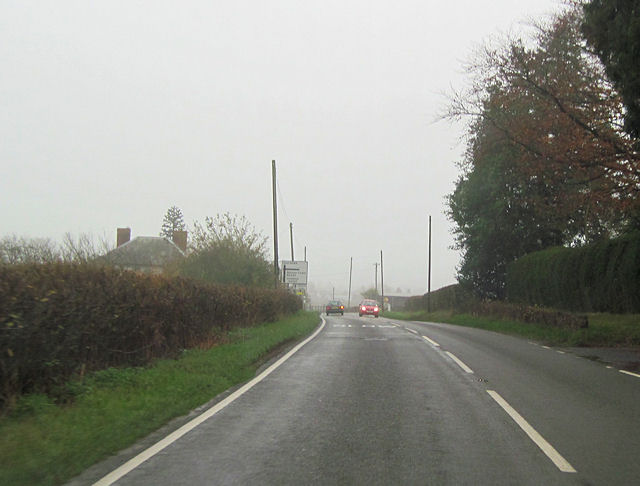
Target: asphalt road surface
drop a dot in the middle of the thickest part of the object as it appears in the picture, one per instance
(375, 401)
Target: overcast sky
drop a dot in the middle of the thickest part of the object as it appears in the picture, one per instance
(113, 111)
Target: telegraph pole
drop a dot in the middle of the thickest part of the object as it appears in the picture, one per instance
(350, 273)
(376, 265)
(429, 277)
(275, 224)
(382, 279)
(291, 234)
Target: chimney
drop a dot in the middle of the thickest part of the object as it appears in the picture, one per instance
(180, 239)
(124, 235)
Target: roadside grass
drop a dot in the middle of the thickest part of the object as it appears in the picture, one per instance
(605, 330)
(45, 444)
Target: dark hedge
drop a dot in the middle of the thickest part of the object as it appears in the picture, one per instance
(455, 298)
(61, 320)
(452, 297)
(604, 277)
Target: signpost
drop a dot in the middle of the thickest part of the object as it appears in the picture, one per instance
(294, 275)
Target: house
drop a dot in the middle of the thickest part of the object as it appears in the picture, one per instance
(147, 254)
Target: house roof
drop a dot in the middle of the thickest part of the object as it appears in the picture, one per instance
(146, 251)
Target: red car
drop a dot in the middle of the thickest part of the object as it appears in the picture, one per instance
(368, 307)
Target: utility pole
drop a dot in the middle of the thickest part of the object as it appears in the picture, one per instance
(429, 277)
(305, 253)
(350, 273)
(275, 224)
(376, 265)
(382, 279)
(291, 234)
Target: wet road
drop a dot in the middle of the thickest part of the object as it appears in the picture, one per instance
(375, 401)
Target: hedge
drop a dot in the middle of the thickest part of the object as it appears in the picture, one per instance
(455, 298)
(604, 277)
(61, 320)
(447, 298)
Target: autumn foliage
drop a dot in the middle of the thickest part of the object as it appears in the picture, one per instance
(548, 162)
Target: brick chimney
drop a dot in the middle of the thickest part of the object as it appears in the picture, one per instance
(180, 239)
(124, 235)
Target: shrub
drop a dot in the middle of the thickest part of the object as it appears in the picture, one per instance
(447, 298)
(60, 320)
(604, 277)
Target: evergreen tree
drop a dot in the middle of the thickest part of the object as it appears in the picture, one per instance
(612, 29)
(173, 221)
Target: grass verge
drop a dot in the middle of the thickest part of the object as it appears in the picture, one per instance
(605, 330)
(45, 444)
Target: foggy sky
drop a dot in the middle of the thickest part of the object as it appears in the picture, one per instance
(113, 111)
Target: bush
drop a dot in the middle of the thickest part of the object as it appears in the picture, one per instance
(604, 277)
(452, 297)
(61, 320)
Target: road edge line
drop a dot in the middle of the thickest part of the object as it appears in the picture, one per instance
(560, 462)
(148, 453)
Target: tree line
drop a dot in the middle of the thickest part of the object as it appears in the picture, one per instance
(551, 142)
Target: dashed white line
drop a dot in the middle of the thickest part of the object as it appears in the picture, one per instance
(431, 341)
(560, 352)
(412, 330)
(546, 347)
(630, 373)
(560, 462)
(464, 367)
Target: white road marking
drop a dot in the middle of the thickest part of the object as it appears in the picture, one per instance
(412, 330)
(560, 462)
(368, 325)
(133, 463)
(431, 341)
(384, 326)
(560, 352)
(464, 367)
(546, 347)
(630, 373)
(339, 325)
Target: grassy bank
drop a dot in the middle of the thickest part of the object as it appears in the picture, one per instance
(604, 329)
(45, 444)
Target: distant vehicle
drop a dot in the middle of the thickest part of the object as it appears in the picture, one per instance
(335, 307)
(368, 307)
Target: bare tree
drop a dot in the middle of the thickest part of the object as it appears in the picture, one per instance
(15, 250)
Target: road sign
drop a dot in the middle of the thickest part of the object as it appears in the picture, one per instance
(295, 273)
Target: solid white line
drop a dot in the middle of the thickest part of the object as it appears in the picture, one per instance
(171, 438)
(431, 341)
(412, 330)
(629, 373)
(464, 367)
(560, 462)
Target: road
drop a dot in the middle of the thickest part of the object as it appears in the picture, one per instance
(376, 401)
